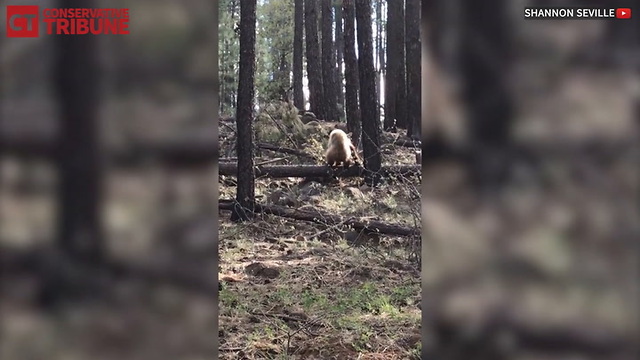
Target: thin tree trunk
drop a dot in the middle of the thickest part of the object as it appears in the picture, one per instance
(222, 78)
(401, 89)
(394, 45)
(282, 76)
(314, 73)
(378, 46)
(352, 82)
(245, 194)
(368, 94)
(328, 63)
(340, 57)
(381, 50)
(298, 94)
(413, 64)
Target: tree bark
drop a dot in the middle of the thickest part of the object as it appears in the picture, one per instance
(80, 162)
(352, 82)
(340, 57)
(413, 65)
(298, 94)
(328, 63)
(401, 89)
(377, 48)
(320, 217)
(394, 43)
(381, 48)
(314, 73)
(245, 194)
(368, 94)
(488, 103)
(282, 76)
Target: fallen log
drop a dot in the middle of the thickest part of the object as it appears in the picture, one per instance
(558, 339)
(316, 171)
(320, 217)
(172, 152)
(468, 337)
(41, 259)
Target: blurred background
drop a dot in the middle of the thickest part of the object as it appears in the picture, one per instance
(530, 195)
(120, 128)
(530, 182)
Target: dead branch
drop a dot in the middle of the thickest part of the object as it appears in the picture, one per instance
(320, 217)
(227, 118)
(228, 127)
(281, 128)
(316, 171)
(271, 161)
(284, 150)
(406, 142)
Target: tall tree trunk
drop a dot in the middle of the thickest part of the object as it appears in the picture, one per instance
(352, 82)
(381, 47)
(339, 52)
(245, 194)
(488, 103)
(314, 73)
(329, 63)
(298, 94)
(376, 49)
(413, 64)
(394, 27)
(80, 154)
(79, 232)
(368, 94)
(401, 89)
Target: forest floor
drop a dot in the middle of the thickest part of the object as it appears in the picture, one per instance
(300, 290)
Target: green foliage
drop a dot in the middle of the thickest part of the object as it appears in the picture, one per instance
(274, 49)
(229, 54)
(279, 123)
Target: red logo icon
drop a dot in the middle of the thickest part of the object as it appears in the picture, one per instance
(623, 13)
(22, 21)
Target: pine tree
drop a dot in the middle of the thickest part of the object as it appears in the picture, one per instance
(368, 94)
(245, 194)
